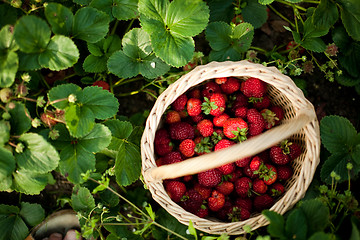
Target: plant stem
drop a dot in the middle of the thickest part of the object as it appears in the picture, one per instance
(129, 26)
(113, 30)
(292, 5)
(169, 230)
(258, 49)
(282, 16)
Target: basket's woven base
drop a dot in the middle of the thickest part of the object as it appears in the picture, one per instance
(283, 92)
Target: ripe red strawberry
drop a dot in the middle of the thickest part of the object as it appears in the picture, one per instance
(259, 186)
(225, 187)
(294, 150)
(180, 103)
(215, 105)
(191, 201)
(172, 116)
(193, 106)
(284, 172)
(104, 85)
(161, 136)
(261, 103)
(204, 191)
(268, 173)
(243, 162)
(244, 203)
(223, 143)
(203, 212)
(243, 186)
(253, 87)
(269, 117)
(240, 101)
(205, 127)
(249, 173)
(48, 119)
(276, 189)
(279, 113)
(187, 147)
(256, 122)
(221, 80)
(262, 202)
(210, 178)
(227, 168)
(255, 163)
(235, 129)
(197, 118)
(278, 156)
(172, 157)
(209, 88)
(163, 148)
(220, 120)
(195, 93)
(188, 178)
(175, 190)
(225, 212)
(181, 131)
(216, 201)
(230, 86)
(232, 177)
(241, 112)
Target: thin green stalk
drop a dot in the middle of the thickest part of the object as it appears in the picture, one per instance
(113, 30)
(280, 15)
(129, 26)
(261, 50)
(169, 230)
(292, 5)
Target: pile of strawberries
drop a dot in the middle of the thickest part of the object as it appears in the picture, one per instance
(213, 116)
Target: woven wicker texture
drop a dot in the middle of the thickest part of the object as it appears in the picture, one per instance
(299, 124)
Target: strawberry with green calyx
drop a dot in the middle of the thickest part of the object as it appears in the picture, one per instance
(193, 106)
(276, 189)
(294, 151)
(281, 154)
(216, 201)
(191, 201)
(175, 190)
(268, 173)
(235, 129)
(203, 211)
(260, 103)
(187, 147)
(203, 145)
(217, 136)
(269, 117)
(279, 113)
(215, 105)
(255, 163)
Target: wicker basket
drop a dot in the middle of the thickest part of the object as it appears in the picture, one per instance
(299, 124)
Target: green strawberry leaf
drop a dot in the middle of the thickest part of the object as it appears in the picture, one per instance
(337, 134)
(265, 2)
(254, 13)
(30, 182)
(7, 39)
(317, 215)
(346, 80)
(127, 163)
(105, 6)
(335, 163)
(350, 16)
(7, 163)
(296, 225)
(58, 95)
(8, 68)
(77, 155)
(37, 34)
(11, 224)
(19, 121)
(8, 14)
(325, 15)
(111, 44)
(32, 213)
(228, 43)
(60, 18)
(221, 10)
(82, 200)
(136, 57)
(39, 156)
(171, 27)
(61, 53)
(90, 24)
(120, 9)
(94, 64)
(120, 130)
(96, 49)
(277, 223)
(79, 120)
(350, 60)
(322, 236)
(28, 61)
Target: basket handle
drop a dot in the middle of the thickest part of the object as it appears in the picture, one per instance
(248, 148)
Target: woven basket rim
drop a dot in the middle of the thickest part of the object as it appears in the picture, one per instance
(241, 69)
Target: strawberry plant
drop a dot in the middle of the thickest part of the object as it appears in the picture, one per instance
(77, 80)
